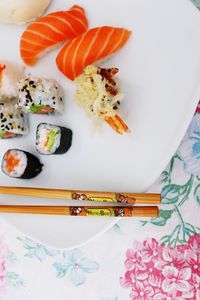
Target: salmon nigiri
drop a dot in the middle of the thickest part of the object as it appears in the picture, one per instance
(91, 46)
(51, 30)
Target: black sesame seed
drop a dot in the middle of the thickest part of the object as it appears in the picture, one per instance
(115, 107)
(53, 98)
(31, 82)
(22, 115)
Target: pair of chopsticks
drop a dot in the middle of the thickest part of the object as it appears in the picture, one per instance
(125, 203)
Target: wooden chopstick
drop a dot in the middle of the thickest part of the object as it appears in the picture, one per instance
(129, 198)
(88, 211)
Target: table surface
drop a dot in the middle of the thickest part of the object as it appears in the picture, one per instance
(136, 259)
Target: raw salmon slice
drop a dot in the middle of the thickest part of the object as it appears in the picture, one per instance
(93, 45)
(51, 30)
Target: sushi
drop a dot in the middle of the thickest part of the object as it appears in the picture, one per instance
(40, 95)
(20, 164)
(10, 74)
(52, 139)
(51, 30)
(93, 45)
(13, 122)
(98, 93)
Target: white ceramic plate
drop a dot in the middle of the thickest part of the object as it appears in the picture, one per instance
(160, 71)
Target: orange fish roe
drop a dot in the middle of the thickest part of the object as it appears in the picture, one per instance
(11, 162)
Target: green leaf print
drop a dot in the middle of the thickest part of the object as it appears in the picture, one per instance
(14, 279)
(164, 216)
(175, 195)
(12, 257)
(197, 193)
(30, 253)
(170, 193)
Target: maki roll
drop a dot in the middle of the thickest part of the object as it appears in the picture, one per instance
(20, 164)
(40, 95)
(10, 74)
(52, 139)
(13, 122)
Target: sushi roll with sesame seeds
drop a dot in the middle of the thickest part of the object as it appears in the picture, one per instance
(20, 164)
(13, 122)
(10, 74)
(52, 139)
(40, 95)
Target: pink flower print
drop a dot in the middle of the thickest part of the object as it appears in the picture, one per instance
(195, 291)
(198, 108)
(173, 257)
(193, 261)
(3, 265)
(132, 278)
(2, 273)
(134, 260)
(194, 243)
(182, 248)
(195, 281)
(141, 292)
(152, 274)
(152, 250)
(175, 280)
(160, 296)
(138, 246)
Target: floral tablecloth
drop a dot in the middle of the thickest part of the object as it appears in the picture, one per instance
(157, 259)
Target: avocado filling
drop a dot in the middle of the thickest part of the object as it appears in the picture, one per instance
(2, 133)
(36, 108)
(51, 138)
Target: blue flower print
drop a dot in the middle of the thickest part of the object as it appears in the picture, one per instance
(75, 266)
(36, 249)
(190, 148)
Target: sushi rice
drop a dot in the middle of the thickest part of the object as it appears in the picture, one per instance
(20, 164)
(53, 139)
(18, 167)
(48, 138)
(12, 121)
(40, 95)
